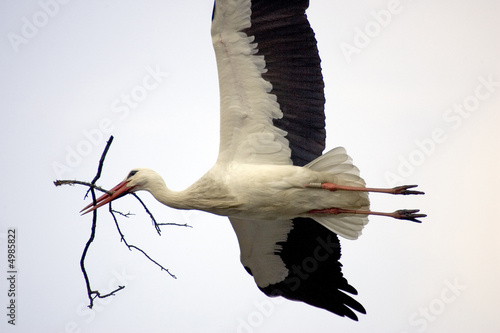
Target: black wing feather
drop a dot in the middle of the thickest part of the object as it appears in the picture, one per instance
(311, 254)
(286, 40)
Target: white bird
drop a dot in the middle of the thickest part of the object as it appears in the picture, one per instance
(285, 200)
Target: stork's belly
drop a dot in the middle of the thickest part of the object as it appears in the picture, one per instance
(279, 192)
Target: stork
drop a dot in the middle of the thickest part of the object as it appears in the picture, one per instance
(286, 201)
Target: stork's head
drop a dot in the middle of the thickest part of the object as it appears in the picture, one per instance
(137, 179)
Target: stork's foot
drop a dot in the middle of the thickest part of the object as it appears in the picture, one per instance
(408, 214)
(405, 190)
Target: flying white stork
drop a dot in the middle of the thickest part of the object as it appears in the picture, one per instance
(286, 201)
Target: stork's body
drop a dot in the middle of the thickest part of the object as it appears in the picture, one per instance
(285, 200)
(263, 192)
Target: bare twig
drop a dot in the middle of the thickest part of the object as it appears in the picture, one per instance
(79, 182)
(155, 224)
(130, 247)
(112, 293)
(127, 215)
(101, 164)
(177, 224)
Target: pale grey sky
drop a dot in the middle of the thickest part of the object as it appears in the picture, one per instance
(413, 91)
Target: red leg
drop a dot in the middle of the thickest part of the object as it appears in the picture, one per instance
(396, 190)
(403, 214)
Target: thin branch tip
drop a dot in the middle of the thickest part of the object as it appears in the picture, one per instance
(79, 182)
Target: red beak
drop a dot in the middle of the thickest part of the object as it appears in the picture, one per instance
(117, 192)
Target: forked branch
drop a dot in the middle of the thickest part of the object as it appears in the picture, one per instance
(93, 294)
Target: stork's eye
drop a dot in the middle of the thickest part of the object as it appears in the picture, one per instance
(133, 172)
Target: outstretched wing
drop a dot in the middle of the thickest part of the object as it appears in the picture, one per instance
(271, 88)
(298, 260)
(272, 112)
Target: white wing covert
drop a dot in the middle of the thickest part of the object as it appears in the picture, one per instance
(259, 246)
(247, 107)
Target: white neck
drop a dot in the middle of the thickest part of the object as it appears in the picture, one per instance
(202, 195)
(174, 199)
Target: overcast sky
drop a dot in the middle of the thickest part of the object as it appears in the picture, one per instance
(413, 92)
